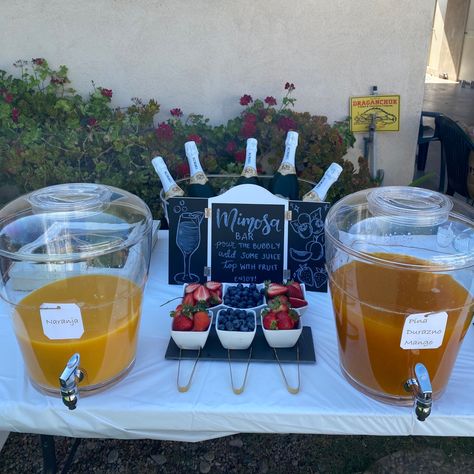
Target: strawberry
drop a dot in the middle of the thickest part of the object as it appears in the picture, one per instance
(269, 320)
(297, 302)
(284, 321)
(275, 289)
(295, 290)
(182, 322)
(201, 321)
(182, 319)
(191, 287)
(214, 286)
(188, 299)
(201, 293)
(287, 320)
(279, 303)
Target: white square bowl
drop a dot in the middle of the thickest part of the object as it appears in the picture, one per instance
(257, 309)
(282, 338)
(191, 340)
(237, 340)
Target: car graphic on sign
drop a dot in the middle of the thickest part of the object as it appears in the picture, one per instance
(382, 117)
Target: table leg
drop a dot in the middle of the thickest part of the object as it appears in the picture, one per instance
(49, 454)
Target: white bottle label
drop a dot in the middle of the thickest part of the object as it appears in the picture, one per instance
(424, 330)
(288, 162)
(61, 320)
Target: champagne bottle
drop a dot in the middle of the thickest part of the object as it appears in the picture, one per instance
(170, 187)
(249, 173)
(284, 182)
(199, 184)
(320, 190)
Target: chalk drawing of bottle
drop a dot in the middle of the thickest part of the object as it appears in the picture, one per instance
(188, 238)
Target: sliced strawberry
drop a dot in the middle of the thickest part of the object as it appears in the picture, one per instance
(295, 290)
(275, 289)
(215, 298)
(188, 299)
(213, 285)
(191, 287)
(201, 294)
(201, 321)
(297, 302)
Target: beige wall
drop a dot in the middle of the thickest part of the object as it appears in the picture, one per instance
(202, 55)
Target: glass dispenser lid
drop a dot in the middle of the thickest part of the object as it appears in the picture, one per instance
(72, 222)
(402, 220)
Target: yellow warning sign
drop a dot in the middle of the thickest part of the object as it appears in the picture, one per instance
(383, 110)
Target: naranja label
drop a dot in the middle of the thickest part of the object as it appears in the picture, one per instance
(424, 330)
(61, 320)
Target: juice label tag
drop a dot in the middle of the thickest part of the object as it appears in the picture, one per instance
(424, 330)
(61, 320)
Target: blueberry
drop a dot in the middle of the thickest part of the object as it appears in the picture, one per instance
(244, 328)
(229, 326)
(251, 326)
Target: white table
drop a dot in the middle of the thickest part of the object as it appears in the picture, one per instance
(146, 404)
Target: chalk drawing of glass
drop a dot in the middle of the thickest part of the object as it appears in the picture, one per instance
(188, 238)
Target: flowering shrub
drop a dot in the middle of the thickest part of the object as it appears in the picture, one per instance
(49, 134)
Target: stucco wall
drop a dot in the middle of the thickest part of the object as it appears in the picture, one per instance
(202, 55)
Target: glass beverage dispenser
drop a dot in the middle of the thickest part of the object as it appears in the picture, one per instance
(400, 268)
(74, 260)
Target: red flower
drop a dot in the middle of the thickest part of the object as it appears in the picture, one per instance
(92, 122)
(248, 129)
(38, 61)
(286, 124)
(231, 147)
(240, 156)
(106, 92)
(8, 98)
(176, 112)
(15, 114)
(270, 100)
(246, 99)
(194, 138)
(182, 170)
(290, 87)
(164, 132)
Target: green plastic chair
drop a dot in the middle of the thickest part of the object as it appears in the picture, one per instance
(456, 146)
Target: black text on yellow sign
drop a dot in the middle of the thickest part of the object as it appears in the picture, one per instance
(383, 109)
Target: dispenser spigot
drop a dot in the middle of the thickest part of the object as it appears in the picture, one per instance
(420, 385)
(69, 380)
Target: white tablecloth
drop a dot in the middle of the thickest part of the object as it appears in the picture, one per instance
(146, 403)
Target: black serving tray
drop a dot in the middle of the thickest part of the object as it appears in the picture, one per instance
(261, 351)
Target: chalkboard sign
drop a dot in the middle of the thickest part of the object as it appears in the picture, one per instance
(306, 257)
(247, 243)
(248, 240)
(187, 240)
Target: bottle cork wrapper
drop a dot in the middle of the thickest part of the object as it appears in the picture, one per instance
(249, 172)
(198, 178)
(286, 168)
(311, 196)
(174, 191)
